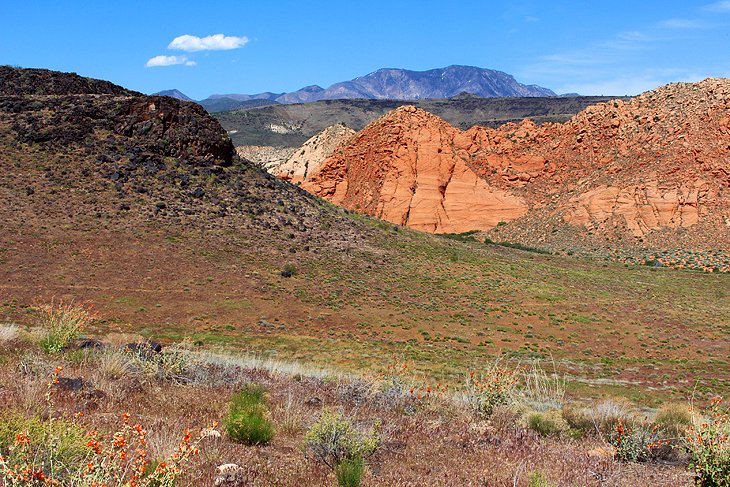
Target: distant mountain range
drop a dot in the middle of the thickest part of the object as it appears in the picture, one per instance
(388, 84)
(174, 94)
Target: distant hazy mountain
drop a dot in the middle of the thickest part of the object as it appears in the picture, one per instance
(400, 84)
(174, 94)
(267, 95)
(218, 103)
(306, 94)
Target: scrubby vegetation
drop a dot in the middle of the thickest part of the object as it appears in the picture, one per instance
(337, 443)
(708, 443)
(56, 451)
(507, 422)
(247, 421)
(61, 324)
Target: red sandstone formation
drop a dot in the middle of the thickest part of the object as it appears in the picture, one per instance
(636, 169)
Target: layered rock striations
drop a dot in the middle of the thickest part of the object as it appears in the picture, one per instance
(403, 168)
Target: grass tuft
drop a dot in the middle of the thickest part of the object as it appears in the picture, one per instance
(61, 324)
(248, 418)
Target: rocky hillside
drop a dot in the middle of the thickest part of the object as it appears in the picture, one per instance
(266, 157)
(307, 159)
(125, 160)
(652, 171)
(19, 82)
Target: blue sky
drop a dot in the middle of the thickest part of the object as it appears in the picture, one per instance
(613, 48)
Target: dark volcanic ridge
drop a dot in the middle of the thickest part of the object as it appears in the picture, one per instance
(105, 157)
(21, 82)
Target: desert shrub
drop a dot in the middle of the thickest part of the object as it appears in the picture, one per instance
(600, 418)
(578, 419)
(546, 423)
(395, 388)
(639, 443)
(114, 365)
(674, 418)
(173, 363)
(349, 472)
(497, 386)
(607, 414)
(289, 415)
(123, 460)
(355, 391)
(57, 442)
(334, 439)
(289, 270)
(248, 417)
(537, 479)
(504, 418)
(61, 324)
(57, 452)
(708, 444)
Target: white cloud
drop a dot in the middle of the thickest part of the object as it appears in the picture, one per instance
(217, 42)
(682, 24)
(633, 35)
(168, 61)
(722, 6)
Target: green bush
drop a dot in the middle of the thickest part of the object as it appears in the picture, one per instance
(248, 417)
(349, 472)
(333, 439)
(289, 270)
(546, 424)
(537, 479)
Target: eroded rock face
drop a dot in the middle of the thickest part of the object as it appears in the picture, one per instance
(642, 208)
(307, 159)
(402, 168)
(660, 161)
